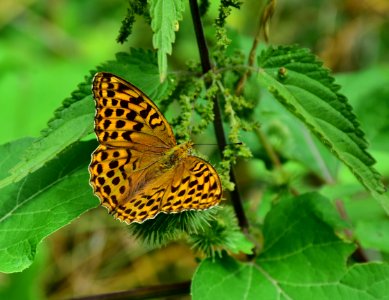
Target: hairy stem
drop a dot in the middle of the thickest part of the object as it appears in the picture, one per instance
(218, 124)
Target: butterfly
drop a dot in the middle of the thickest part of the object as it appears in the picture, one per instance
(139, 170)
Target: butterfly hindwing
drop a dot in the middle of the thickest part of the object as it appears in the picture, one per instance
(113, 173)
(196, 185)
(192, 185)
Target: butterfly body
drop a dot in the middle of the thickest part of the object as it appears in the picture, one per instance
(138, 170)
(173, 156)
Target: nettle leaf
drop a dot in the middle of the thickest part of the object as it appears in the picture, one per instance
(11, 152)
(373, 114)
(305, 88)
(165, 16)
(373, 233)
(74, 119)
(42, 202)
(292, 265)
(140, 67)
(370, 224)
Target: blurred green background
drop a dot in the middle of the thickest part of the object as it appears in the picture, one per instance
(48, 46)
(46, 49)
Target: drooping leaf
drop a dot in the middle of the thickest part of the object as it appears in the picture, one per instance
(42, 202)
(293, 141)
(165, 16)
(27, 285)
(305, 88)
(370, 224)
(302, 259)
(135, 8)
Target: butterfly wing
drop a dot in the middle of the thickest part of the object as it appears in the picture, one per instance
(133, 135)
(113, 173)
(192, 185)
(195, 186)
(126, 117)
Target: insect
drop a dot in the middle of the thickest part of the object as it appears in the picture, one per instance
(138, 170)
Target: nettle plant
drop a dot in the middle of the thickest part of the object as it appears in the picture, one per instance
(279, 126)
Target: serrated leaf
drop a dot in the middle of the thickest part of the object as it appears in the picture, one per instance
(41, 203)
(302, 259)
(373, 114)
(304, 87)
(140, 67)
(74, 119)
(165, 16)
(77, 122)
(11, 152)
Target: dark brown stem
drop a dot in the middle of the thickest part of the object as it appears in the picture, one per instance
(269, 149)
(159, 291)
(218, 124)
(359, 254)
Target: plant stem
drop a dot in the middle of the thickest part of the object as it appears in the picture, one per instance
(218, 124)
(359, 254)
(159, 291)
(201, 43)
(269, 149)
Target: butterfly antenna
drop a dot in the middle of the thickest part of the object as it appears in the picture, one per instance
(239, 143)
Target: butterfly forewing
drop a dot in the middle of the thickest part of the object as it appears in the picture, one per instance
(126, 117)
(138, 170)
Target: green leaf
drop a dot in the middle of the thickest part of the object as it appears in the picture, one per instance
(74, 119)
(140, 67)
(302, 258)
(305, 88)
(11, 153)
(73, 123)
(42, 202)
(370, 223)
(373, 234)
(292, 140)
(27, 285)
(165, 16)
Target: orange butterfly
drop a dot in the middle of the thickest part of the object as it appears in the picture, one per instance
(138, 170)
